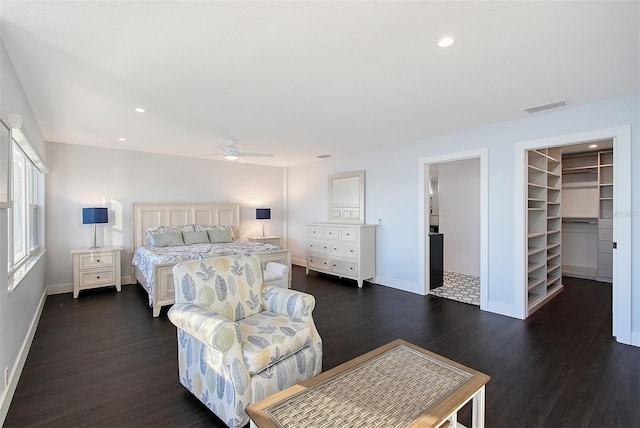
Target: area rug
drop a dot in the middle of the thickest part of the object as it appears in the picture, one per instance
(459, 287)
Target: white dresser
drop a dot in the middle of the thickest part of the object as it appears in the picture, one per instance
(345, 250)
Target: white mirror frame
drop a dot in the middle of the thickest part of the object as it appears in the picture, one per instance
(353, 210)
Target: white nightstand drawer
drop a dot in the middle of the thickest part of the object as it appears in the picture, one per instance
(319, 246)
(344, 267)
(97, 277)
(96, 260)
(273, 240)
(344, 250)
(318, 262)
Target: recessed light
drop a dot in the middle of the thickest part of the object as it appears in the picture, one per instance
(122, 139)
(140, 110)
(593, 146)
(445, 42)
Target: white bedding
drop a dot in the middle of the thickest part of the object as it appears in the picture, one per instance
(146, 257)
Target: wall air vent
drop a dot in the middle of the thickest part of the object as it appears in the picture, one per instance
(323, 156)
(548, 106)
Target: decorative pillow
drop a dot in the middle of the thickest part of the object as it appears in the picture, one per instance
(195, 237)
(164, 229)
(220, 234)
(168, 239)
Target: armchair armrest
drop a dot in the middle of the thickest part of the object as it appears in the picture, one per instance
(208, 327)
(277, 268)
(276, 274)
(292, 303)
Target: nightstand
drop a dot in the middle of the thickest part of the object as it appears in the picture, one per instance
(273, 240)
(95, 268)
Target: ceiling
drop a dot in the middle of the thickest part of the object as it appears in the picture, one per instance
(302, 79)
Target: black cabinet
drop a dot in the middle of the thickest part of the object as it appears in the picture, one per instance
(436, 260)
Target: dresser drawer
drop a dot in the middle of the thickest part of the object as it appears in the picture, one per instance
(97, 277)
(318, 262)
(344, 267)
(348, 234)
(96, 260)
(319, 246)
(344, 250)
(330, 232)
(315, 232)
(605, 247)
(605, 234)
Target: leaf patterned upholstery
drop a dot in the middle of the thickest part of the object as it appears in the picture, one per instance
(240, 341)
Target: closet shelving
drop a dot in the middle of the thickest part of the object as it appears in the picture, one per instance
(544, 226)
(605, 184)
(605, 216)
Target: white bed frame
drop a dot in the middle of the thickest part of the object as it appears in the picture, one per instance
(152, 214)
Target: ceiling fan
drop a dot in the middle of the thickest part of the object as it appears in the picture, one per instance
(233, 153)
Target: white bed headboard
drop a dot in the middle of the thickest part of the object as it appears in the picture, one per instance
(151, 214)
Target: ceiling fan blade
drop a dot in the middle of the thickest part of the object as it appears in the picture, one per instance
(256, 154)
(211, 154)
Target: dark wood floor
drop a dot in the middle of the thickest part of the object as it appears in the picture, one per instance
(102, 360)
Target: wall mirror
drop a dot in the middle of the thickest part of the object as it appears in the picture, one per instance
(346, 197)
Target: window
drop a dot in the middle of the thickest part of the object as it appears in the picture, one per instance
(24, 215)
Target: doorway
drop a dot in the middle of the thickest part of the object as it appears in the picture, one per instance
(454, 230)
(451, 165)
(621, 206)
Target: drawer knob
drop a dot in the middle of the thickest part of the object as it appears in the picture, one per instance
(351, 268)
(98, 261)
(351, 251)
(98, 277)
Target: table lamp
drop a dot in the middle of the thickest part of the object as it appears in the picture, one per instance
(263, 214)
(94, 216)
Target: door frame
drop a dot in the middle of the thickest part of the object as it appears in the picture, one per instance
(423, 219)
(621, 136)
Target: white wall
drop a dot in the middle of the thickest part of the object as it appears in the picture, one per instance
(459, 195)
(87, 176)
(392, 189)
(20, 309)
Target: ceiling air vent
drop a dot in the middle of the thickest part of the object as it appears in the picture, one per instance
(548, 106)
(323, 156)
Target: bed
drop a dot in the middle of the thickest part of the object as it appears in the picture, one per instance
(153, 266)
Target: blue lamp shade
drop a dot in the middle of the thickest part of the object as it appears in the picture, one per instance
(263, 213)
(95, 215)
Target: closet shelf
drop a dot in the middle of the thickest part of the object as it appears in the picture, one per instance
(535, 266)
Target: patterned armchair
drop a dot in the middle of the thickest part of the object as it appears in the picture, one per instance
(240, 341)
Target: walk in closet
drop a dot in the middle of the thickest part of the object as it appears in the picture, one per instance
(587, 213)
(569, 218)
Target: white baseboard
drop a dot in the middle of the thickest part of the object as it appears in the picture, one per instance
(16, 370)
(59, 289)
(506, 309)
(398, 284)
(299, 262)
